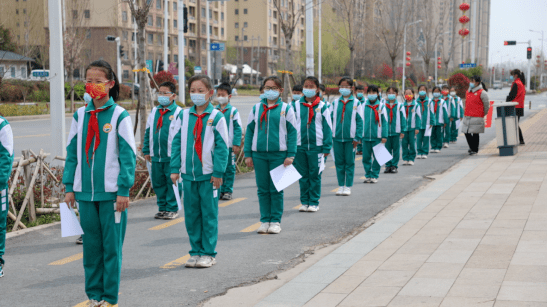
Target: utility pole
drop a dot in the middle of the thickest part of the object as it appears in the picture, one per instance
(251, 60)
(208, 41)
(473, 31)
(320, 42)
(258, 60)
(181, 45)
(309, 38)
(57, 82)
(166, 21)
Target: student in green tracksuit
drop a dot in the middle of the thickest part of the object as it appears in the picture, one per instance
(423, 142)
(439, 119)
(446, 129)
(314, 141)
(457, 113)
(347, 132)
(397, 124)
(270, 141)
(375, 131)
(234, 124)
(157, 150)
(330, 108)
(6, 162)
(360, 95)
(99, 172)
(297, 93)
(199, 153)
(413, 119)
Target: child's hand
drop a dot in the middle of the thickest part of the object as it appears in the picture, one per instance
(147, 157)
(122, 203)
(174, 178)
(249, 162)
(288, 161)
(416, 131)
(383, 140)
(236, 149)
(70, 200)
(217, 182)
(401, 136)
(354, 143)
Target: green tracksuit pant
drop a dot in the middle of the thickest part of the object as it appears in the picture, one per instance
(436, 139)
(454, 131)
(408, 146)
(162, 185)
(308, 165)
(3, 222)
(370, 164)
(230, 173)
(344, 162)
(201, 204)
(423, 142)
(446, 132)
(359, 148)
(271, 201)
(393, 147)
(103, 241)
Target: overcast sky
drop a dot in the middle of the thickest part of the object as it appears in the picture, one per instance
(511, 20)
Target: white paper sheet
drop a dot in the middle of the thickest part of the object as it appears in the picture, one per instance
(428, 131)
(381, 154)
(321, 161)
(4, 200)
(117, 215)
(458, 124)
(177, 196)
(149, 166)
(69, 222)
(283, 177)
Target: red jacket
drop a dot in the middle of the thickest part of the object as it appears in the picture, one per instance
(520, 93)
(474, 106)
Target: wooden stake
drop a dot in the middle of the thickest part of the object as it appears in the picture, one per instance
(28, 196)
(41, 162)
(12, 217)
(143, 187)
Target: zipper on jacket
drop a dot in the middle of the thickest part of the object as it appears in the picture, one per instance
(308, 131)
(268, 127)
(92, 165)
(160, 142)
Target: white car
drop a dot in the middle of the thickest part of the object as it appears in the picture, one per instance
(497, 85)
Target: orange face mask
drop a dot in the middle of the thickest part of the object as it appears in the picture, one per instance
(96, 91)
(445, 93)
(409, 97)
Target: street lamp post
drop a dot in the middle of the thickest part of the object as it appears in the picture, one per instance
(403, 58)
(111, 38)
(435, 55)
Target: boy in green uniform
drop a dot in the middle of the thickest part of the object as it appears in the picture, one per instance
(6, 159)
(375, 131)
(423, 141)
(439, 119)
(457, 113)
(99, 172)
(297, 93)
(397, 124)
(347, 132)
(359, 92)
(157, 150)
(446, 129)
(234, 123)
(199, 153)
(413, 122)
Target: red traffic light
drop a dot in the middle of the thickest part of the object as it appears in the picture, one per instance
(506, 43)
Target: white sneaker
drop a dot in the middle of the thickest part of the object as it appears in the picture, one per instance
(263, 229)
(93, 303)
(346, 191)
(192, 261)
(274, 228)
(419, 156)
(340, 191)
(367, 180)
(411, 163)
(313, 208)
(405, 162)
(373, 181)
(424, 157)
(303, 208)
(446, 145)
(206, 261)
(437, 151)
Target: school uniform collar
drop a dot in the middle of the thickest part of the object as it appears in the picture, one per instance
(423, 99)
(351, 98)
(373, 104)
(91, 106)
(171, 107)
(228, 106)
(264, 101)
(209, 109)
(412, 102)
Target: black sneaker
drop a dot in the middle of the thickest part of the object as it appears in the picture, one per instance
(160, 215)
(388, 170)
(522, 143)
(80, 240)
(222, 196)
(170, 215)
(394, 170)
(472, 153)
(1, 270)
(227, 196)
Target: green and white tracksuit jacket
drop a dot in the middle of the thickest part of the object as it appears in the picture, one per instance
(455, 108)
(157, 142)
(439, 119)
(374, 130)
(6, 163)
(317, 135)
(346, 127)
(426, 112)
(111, 170)
(397, 123)
(234, 123)
(413, 116)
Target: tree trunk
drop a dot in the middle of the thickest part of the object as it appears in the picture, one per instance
(394, 67)
(352, 63)
(288, 67)
(143, 88)
(71, 78)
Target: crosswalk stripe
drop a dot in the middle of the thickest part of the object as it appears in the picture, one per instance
(66, 260)
(231, 202)
(168, 224)
(176, 263)
(252, 228)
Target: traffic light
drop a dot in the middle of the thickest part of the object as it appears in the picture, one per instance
(506, 43)
(160, 65)
(122, 53)
(111, 38)
(185, 19)
(529, 52)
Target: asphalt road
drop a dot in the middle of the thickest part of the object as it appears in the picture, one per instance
(243, 257)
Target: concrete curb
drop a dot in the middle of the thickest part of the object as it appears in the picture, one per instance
(27, 230)
(41, 117)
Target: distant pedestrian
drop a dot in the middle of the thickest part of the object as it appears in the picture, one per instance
(457, 113)
(6, 162)
(423, 141)
(297, 93)
(476, 107)
(439, 119)
(413, 118)
(517, 94)
(397, 124)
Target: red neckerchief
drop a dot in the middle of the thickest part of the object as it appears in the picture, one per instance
(388, 106)
(93, 131)
(422, 104)
(436, 106)
(374, 108)
(223, 111)
(344, 108)
(198, 134)
(407, 110)
(311, 108)
(263, 115)
(161, 118)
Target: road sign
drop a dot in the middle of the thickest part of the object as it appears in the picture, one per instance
(197, 70)
(149, 65)
(217, 47)
(172, 68)
(467, 65)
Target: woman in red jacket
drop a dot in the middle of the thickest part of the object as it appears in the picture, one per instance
(476, 106)
(517, 94)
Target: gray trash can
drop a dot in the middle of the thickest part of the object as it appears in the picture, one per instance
(507, 128)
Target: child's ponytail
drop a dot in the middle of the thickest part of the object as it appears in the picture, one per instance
(115, 90)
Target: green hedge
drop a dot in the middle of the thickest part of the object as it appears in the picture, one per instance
(10, 110)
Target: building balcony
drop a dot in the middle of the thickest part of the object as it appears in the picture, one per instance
(190, 17)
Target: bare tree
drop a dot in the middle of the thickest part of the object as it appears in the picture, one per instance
(433, 19)
(139, 11)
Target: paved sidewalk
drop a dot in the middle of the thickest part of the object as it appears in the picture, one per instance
(474, 237)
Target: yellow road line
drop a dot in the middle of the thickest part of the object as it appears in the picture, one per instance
(332, 167)
(168, 224)
(358, 158)
(335, 190)
(297, 207)
(68, 259)
(231, 202)
(252, 228)
(176, 263)
(82, 304)
(362, 178)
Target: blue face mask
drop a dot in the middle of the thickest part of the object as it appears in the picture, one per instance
(272, 94)
(164, 100)
(436, 94)
(262, 96)
(296, 97)
(198, 99)
(372, 97)
(472, 85)
(422, 93)
(359, 95)
(391, 97)
(511, 78)
(309, 92)
(87, 98)
(344, 91)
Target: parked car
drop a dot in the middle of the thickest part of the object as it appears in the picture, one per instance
(136, 87)
(497, 85)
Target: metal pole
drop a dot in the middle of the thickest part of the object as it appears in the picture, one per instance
(118, 60)
(165, 34)
(473, 31)
(251, 60)
(64, 17)
(208, 41)
(529, 71)
(403, 60)
(181, 59)
(435, 66)
(57, 84)
(320, 42)
(309, 38)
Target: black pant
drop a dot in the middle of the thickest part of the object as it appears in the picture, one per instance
(473, 141)
(520, 134)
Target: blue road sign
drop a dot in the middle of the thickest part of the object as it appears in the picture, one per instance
(467, 65)
(217, 46)
(197, 70)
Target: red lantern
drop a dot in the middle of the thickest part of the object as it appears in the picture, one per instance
(463, 63)
(439, 66)
(464, 7)
(407, 64)
(408, 58)
(538, 56)
(464, 19)
(464, 32)
(439, 58)
(408, 53)
(439, 62)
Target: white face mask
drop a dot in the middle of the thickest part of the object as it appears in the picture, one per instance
(452, 93)
(222, 99)
(198, 99)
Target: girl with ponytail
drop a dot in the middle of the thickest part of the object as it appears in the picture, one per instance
(517, 94)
